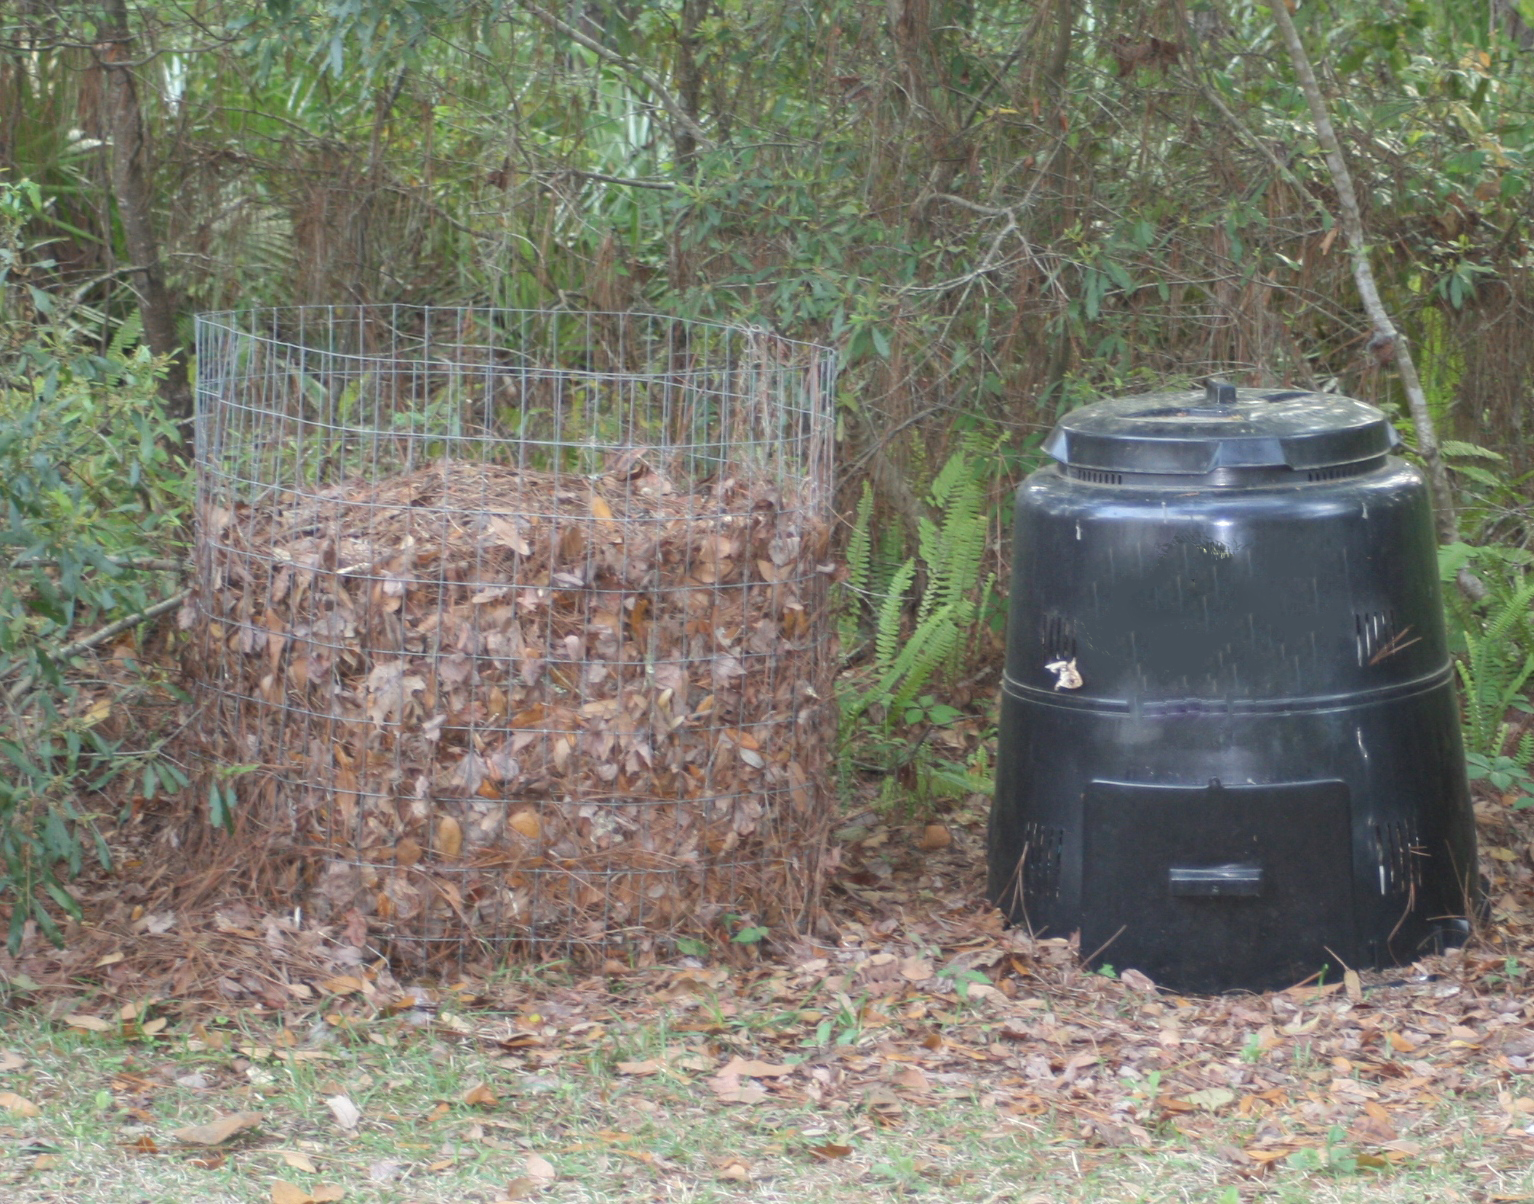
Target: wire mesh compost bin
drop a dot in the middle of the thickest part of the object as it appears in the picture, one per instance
(1229, 747)
(511, 623)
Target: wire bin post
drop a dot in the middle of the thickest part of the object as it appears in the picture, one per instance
(511, 625)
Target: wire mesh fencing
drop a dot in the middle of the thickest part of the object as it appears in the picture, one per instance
(511, 624)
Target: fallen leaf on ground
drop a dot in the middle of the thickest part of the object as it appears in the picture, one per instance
(298, 1160)
(480, 1096)
(17, 1105)
(91, 1024)
(539, 1169)
(734, 1170)
(728, 1090)
(10, 1060)
(385, 1171)
(934, 837)
(1136, 981)
(216, 1132)
(916, 969)
(830, 1151)
(520, 1188)
(640, 1069)
(1211, 1099)
(347, 1114)
(284, 1192)
(754, 1069)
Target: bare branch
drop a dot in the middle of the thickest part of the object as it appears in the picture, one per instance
(679, 114)
(96, 638)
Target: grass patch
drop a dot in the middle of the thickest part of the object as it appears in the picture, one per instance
(626, 1092)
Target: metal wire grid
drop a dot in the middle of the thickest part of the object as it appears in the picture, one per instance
(518, 615)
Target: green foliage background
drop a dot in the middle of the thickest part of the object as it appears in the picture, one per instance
(994, 211)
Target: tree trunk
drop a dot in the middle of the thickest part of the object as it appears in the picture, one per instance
(1388, 344)
(131, 186)
(689, 82)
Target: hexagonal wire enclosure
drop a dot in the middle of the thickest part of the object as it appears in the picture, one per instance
(511, 625)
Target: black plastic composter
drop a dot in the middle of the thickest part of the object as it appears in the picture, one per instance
(1229, 750)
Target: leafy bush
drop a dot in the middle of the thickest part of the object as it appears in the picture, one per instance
(92, 501)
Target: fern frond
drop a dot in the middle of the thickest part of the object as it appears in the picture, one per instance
(128, 332)
(887, 631)
(860, 544)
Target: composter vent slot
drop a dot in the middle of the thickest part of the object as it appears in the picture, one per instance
(1337, 472)
(1095, 476)
(1373, 635)
(1058, 637)
(1042, 848)
(1396, 858)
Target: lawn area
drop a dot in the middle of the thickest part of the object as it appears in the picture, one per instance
(926, 1052)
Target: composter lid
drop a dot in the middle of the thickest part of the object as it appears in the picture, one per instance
(1193, 432)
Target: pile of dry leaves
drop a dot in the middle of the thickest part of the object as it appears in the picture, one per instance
(496, 703)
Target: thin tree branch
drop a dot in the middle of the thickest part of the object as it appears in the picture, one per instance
(140, 563)
(670, 103)
(1387, 342)
(96, 638)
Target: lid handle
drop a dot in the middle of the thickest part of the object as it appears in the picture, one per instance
(1219, 392)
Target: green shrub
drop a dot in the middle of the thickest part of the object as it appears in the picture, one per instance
(93, 497)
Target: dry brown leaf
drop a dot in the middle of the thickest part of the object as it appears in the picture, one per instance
(935, 837)
(520, 1188)
(344, 984)
(1212, 1099)
(91, 1024)
(480, 1096)
(18, 1106)
(216, 1132)
(347, 1114)
(284, 1192)
(449, 836)
(298, 1160)
(539, 1169)
(1353, 985)
(1136, 980)
(916, 969)
(912, 1079)
(754, 1069)
(527, 823)
(830, 1151)
(728, 1089)
(10, 1060)
(641, 1069)
(734, 1170)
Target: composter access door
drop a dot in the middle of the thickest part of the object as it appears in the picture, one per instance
(1209, 888)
